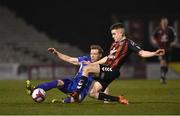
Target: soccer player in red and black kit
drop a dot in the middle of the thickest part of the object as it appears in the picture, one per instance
(109, 66)
(164, 37)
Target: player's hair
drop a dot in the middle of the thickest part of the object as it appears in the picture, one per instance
(97, 47)
(116, 26)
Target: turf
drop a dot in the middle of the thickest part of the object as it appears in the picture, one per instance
(145, 96)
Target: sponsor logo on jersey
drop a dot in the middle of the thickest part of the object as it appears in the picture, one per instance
(80, 83)
(111, 55)
(108, 69)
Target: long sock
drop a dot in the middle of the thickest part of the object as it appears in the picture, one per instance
(164, 70)
(68, 100)
(82, 82)
(48, 85)
(105, 97)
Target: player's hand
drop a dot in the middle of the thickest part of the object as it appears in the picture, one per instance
(52, 50)
(160, 52)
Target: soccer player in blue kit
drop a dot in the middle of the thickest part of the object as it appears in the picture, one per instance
(68, 85)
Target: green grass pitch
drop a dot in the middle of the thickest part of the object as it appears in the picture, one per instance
(145, 97)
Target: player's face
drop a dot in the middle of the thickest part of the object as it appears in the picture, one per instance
(117, 34)
(95, 55)
(164, 23)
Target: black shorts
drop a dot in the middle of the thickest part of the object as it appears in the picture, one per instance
(106, 76)
(166, 57)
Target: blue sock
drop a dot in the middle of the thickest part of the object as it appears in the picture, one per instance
(68, 100)
(48, 85)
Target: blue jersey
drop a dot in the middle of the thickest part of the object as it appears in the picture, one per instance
(71, 85)
(80, 60)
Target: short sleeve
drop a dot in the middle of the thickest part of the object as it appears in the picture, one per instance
(83, 58)
(172, 34)
(133, 46)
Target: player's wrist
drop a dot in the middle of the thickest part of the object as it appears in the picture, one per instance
(55, 52)
(155, 53)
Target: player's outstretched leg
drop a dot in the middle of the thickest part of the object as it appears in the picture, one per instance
(68, 100)
(48, 85)
(122, 100)
(56, 101)
(29, 87)
(65, 100)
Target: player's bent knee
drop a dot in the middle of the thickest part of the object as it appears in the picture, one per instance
(60, 83)
(92, 94)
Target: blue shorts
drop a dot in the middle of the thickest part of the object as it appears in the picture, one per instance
(71, 84)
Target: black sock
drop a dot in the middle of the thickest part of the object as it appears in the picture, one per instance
(164, 70)
(82, 82)
(105, 97)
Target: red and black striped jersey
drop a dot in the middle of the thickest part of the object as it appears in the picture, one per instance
(119, 51)
(164, 37)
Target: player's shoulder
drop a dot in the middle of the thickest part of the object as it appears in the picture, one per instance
(133, 43)
(85, 57)
(129, 41)
(171, 28)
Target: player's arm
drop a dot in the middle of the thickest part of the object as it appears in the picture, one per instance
(174, 38)
(101, 61)
(66, 58)
(147, 54)
(153, 38)
(143, 53)
(174, 43)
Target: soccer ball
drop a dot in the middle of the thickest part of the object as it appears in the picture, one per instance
(38, 95)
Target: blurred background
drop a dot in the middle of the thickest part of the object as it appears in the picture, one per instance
(28, 28)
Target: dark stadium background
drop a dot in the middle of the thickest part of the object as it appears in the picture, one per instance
(87, 22)
(81, 23)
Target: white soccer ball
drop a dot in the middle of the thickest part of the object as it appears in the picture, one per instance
(38, 95)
